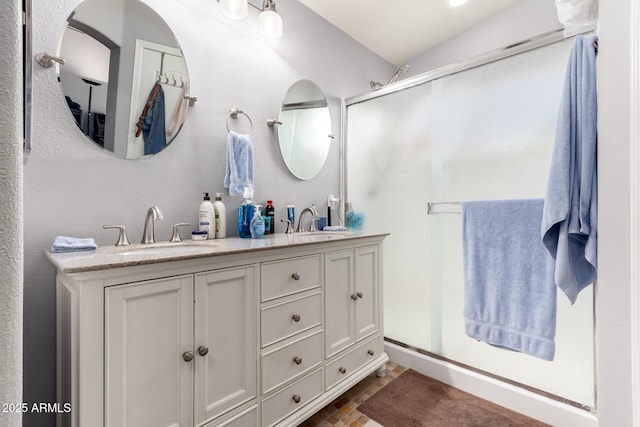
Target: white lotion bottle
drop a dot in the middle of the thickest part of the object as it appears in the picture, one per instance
(206, 217)
(221, 217)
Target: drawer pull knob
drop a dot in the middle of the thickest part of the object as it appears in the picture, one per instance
(297, 360)
(203, 350)
(296, 317)
(187, 356)
(342, 370)
(295, 276)
(371, 352)
(359, 294)
(296, 398)
(354, 297)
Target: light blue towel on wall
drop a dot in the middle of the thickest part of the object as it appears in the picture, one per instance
(570, 219)
(239, 171)
(72, 244)
(509, 294)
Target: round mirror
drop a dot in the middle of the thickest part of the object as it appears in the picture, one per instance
(125, 79)
(305, 132)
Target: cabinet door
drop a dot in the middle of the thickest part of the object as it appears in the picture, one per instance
(148, 328)
(226, 326)
(367, 313)
(339, 301)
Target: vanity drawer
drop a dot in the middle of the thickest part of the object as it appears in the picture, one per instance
(284, 363)
(287, 277)
(350, 362)
(291, 398)
(288, 318)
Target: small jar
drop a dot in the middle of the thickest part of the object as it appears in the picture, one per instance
(199, 235)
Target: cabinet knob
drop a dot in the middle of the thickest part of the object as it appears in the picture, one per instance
(187, 356)
(342, 370)
(296, 398)
(359, 295)
(203, 350)
(371, 352)
(296, 317)
(354, 297)
(295, 276)
(297, 360)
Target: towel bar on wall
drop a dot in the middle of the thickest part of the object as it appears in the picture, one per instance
(233, 114)
(433, 210)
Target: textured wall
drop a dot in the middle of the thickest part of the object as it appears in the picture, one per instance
(520, 21)
(10, 212)
(73, 188)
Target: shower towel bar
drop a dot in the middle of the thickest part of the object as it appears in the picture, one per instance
(432, 210)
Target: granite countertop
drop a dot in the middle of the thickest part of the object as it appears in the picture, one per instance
(106, 257)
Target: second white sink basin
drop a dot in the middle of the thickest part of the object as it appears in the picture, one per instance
(164, 248)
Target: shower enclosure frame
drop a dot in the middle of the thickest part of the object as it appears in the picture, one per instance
(492, 56)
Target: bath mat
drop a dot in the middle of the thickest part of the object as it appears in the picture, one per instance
(414, 400)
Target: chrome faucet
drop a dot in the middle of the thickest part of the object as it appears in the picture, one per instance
(148, 235)
(314, 218)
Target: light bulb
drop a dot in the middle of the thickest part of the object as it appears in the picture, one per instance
(270, 24)
(234, 9)
(456, 3)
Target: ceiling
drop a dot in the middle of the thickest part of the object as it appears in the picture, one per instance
(400, 30)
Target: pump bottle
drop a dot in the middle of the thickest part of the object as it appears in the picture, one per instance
(206, 217)
(245, 213)
(221, 217)
(257, 224)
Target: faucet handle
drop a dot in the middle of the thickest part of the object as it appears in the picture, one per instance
(175, 236)
(122, 236)
(314, 223)
(289, 228)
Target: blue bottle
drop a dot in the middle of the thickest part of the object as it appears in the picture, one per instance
(257, 224)
(245, 214)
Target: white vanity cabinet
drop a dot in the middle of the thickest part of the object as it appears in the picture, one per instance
(249, 334)
(352, 310)
(148, 328)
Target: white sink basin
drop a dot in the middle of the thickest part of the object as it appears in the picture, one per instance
(163, 248)
(321, 235)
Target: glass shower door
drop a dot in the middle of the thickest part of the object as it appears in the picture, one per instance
(484, 133)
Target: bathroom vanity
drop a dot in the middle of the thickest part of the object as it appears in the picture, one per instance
(233, 332)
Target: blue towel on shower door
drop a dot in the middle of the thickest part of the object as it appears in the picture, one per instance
(239, 169)
(570, 219)
(509, 294)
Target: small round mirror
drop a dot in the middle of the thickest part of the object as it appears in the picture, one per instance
(120, 57)
(305, 132)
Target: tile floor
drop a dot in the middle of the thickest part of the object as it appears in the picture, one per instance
(343, 412)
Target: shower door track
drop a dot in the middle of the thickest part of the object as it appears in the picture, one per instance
(491, 56)
(526, 387)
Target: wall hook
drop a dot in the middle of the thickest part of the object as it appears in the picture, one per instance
(272, 122)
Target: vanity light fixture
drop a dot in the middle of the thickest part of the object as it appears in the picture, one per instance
(456, 3)
(234, 9)
(269, 22)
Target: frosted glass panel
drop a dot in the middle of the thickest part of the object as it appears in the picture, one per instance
(389, 169)
(485, 133)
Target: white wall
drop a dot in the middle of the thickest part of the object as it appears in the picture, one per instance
(615, 146)
(10, 212)
(72, 188)
(520, 21)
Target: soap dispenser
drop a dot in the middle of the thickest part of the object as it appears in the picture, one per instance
(206, 217)
(257, 224)
(245, 213)
(221, 217)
